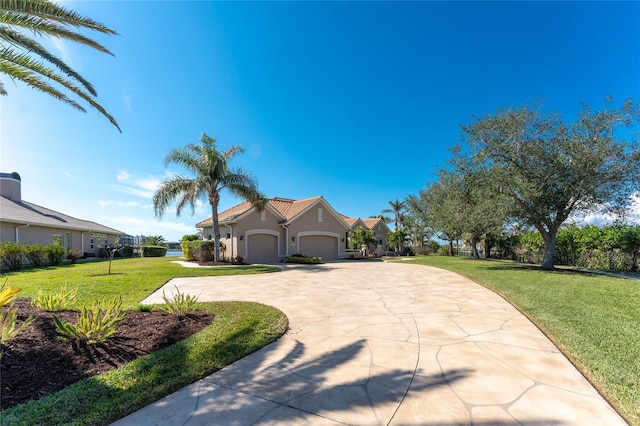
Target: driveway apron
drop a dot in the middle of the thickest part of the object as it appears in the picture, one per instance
(382, 343)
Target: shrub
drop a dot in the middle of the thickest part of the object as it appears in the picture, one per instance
(181, 304)
(153, 251)
(35, 254)
(11, 254)
(74, 254)
(55, 253)
(443, 251)
(301, 258)
(141, 307)
(190, 249)
(207, 251)
(53, 302)
(95, 324)
(127, 251)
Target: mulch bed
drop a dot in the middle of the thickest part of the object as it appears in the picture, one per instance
(37, 363)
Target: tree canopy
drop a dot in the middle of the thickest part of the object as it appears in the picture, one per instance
(24, 59)
(213, 173)
(552, 168)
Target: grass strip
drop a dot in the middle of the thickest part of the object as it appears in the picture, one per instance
(239, 329)
(594, 319)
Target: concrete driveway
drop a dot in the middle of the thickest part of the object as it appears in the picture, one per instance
(377, 343)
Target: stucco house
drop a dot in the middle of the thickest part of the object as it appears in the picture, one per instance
(379, 228)
(283, 228)
(28, 223)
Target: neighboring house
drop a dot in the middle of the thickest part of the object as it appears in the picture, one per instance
(283, 228)
(28, 223)
(379, 228)
(380, 232)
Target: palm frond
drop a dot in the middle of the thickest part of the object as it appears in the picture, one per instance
(184, 189)
(27, 64)
(29, 78)
(46, 19)
(53, 12)
(44, 27)
(33, 47)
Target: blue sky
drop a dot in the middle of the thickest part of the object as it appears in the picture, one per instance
(354, 101)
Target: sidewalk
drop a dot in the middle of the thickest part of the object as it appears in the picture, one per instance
(374, 343)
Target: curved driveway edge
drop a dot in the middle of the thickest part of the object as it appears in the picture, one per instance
(377, 343)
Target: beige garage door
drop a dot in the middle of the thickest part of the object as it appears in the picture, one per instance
(319, 245)
(262, 248)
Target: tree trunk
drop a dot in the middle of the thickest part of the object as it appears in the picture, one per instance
(450, 247)
(487, 246)
(549, 249)
(474, 247)
(216, 226)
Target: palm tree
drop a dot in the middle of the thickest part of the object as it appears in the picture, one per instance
(213, 174)
(21, 55)
(396, 208)
(154, 240)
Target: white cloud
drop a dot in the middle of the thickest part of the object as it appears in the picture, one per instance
(140, 187)
(106, 203)
(128, 104)
(632, 214)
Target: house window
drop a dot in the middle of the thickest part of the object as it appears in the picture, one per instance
(319, 214)
(57, 239)
(263, 215)
(91, 243)
(228, 235)
(68, 241)
(209, 237)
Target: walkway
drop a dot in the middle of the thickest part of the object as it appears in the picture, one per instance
(375, 343)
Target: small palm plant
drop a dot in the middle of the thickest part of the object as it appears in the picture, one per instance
(9, 327)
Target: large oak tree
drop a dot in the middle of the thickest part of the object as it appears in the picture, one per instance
(553, 168)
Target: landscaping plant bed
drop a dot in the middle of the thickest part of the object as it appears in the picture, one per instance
(37, 363)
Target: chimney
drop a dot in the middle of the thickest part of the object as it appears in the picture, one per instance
(10, 186)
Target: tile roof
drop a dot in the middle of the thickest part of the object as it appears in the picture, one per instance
(371, 222)
(25, 212)
(287, 208)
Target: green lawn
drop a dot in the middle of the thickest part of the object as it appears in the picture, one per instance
(133, 279)
(239, 329)
(594, 319)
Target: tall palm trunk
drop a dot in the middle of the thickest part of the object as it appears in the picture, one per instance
(214, 199)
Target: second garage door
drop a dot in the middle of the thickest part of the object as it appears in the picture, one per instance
(319, 245)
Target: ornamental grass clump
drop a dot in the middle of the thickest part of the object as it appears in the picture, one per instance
(95, 324)
(54, 302)
(181, 304)
(9, 327)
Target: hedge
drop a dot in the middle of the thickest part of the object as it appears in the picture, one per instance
(153, 251)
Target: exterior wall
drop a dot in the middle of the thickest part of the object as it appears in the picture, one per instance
(257, 222)
(70, 238)
(381, 232)
(308, 224)
(254, 223)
